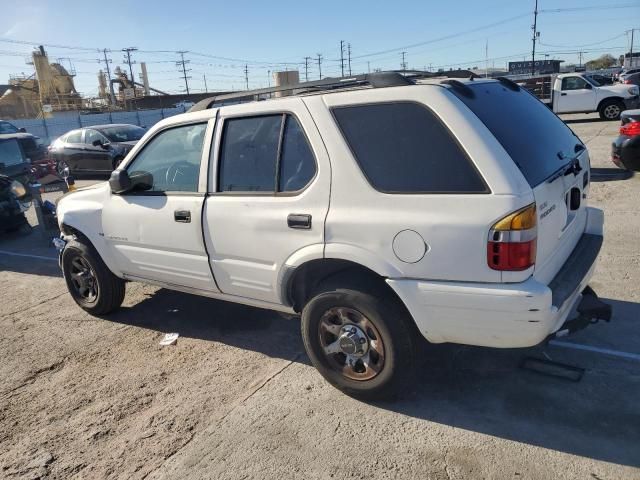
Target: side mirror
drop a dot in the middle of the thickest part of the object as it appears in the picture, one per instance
(22, 130)
(121, 182)
(96, 143)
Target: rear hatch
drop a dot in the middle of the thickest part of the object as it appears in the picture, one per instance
(551, 157)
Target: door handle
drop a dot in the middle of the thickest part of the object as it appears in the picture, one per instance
(563, 94)
(182, 216)
(300, 221)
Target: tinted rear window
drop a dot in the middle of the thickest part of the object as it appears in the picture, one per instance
(404, 148)
(529, 131)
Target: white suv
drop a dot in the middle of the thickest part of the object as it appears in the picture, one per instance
(453, 210)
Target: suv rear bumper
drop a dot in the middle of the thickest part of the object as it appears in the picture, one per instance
(503, 315)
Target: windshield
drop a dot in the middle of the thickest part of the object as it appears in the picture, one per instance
(533, 136)
(6, 127)
(592, 81)
(10, 153)
(128, 133)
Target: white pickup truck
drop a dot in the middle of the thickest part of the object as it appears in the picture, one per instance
(578, 93)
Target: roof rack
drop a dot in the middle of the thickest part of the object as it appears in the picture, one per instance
(392, 78)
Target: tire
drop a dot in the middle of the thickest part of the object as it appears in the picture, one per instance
(390, 357)
(60, 166)
(611, 110)
(90, 282)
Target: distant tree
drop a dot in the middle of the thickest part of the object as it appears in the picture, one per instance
(604, 61)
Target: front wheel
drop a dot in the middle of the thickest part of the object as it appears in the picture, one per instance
(611, 110)
(90, 282)
(62, 168)
(361, 343)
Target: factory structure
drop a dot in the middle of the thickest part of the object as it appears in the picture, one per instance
(50, 90)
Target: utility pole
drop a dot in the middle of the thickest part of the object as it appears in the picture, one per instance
(320, 66)
(630, 51)
(580, 58)
(349, 57)
(107, 61)
(128, 61)
(342, 58)
(204, 77)
(368, 67)
(306, 68)
(183, 63)
(535, 37)
(246, 76)
(403, 65)
(486, 59)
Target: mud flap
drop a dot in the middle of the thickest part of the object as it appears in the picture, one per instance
(590, 310)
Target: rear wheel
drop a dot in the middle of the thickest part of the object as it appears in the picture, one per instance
(611, 110)
(360, 342)
(90, 282)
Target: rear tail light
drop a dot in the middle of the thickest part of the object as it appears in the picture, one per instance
(630, 129)
(512, 241)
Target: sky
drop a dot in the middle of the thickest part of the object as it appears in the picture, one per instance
(224, 38)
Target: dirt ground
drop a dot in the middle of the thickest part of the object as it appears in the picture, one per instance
(91, 398)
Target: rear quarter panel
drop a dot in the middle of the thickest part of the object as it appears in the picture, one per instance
(362, 222)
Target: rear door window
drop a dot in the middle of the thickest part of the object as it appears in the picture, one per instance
(403, 147)
(268, 153)
(533, 136)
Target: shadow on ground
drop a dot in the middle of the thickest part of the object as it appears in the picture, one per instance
(586, 120)
(22, 251)
(476, 389)
(610, 174)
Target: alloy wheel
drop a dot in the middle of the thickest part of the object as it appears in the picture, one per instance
(351, 343)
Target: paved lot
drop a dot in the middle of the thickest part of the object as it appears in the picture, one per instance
(83, 397)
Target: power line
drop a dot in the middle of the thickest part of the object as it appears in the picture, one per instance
(584, 45)
(581, 9)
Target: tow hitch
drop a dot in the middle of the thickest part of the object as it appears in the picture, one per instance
(590, 310)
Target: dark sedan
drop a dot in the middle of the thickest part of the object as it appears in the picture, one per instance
(625, 151)
(95, 149)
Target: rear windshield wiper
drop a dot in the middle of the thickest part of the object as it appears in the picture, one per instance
(573, 166)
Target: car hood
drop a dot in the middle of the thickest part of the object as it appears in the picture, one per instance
(620, 89)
